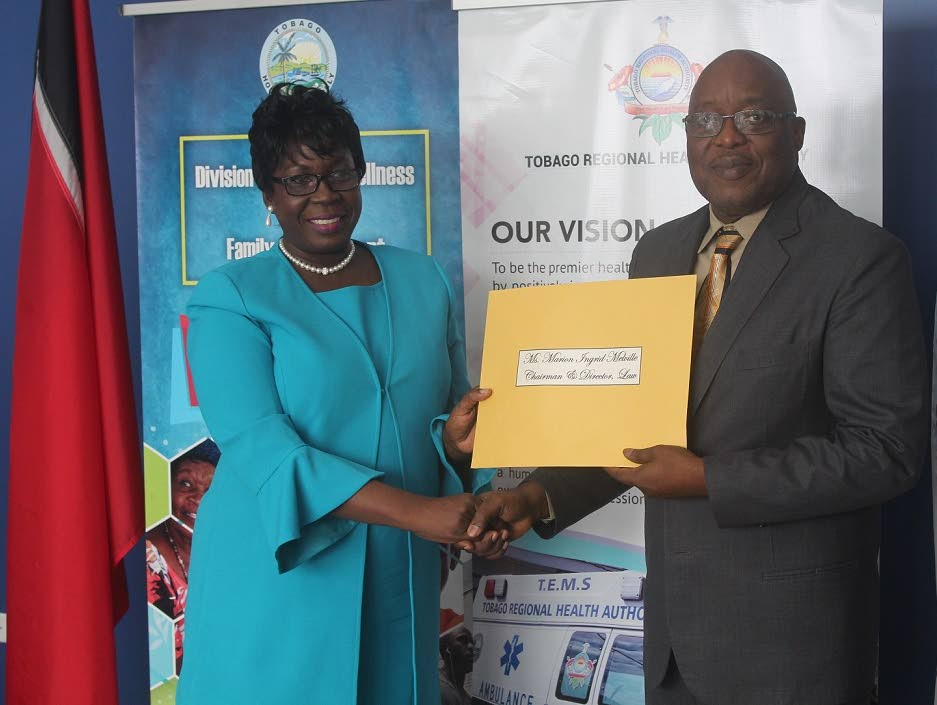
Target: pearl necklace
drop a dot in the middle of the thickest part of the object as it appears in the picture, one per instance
(175, 549)
(318, 270)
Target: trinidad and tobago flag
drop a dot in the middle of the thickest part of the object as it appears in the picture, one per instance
(75, 498)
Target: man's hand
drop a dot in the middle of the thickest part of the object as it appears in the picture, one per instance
(663, 471)
(511, 512)
(458, 436)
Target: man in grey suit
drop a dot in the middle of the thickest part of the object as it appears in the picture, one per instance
(807, 411)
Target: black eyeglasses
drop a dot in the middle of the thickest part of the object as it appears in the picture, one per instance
(748, 122)
(304, 184)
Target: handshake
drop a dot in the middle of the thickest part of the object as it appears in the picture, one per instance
(483, 524)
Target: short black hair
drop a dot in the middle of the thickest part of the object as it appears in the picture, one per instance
(205, 452)
(294, 115)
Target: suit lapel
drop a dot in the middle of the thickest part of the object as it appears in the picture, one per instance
(764, 260)
(681, 259)
(685, 255)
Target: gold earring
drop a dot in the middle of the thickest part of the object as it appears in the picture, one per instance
(269, 216)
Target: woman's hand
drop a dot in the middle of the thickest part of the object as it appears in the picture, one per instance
(458, 436)
(446, 519)
(436, 519)
(443, 519)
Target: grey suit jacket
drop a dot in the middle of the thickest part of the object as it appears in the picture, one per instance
(808, 405)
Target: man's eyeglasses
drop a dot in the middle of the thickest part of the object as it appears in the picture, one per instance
(304, 184)
(748, 122)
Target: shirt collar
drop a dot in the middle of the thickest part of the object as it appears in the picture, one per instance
(746, 226)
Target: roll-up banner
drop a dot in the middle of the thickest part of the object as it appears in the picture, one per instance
(198, 78)
(573, 148)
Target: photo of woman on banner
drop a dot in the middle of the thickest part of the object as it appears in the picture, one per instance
(325, 369)
(169, 543)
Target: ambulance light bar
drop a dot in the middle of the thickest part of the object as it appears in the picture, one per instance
(632, 587)
(496, 588)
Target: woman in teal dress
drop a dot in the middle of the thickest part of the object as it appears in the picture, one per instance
(324, 368)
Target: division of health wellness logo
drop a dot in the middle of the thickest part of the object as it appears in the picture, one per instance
(656, 88)
(298, 51)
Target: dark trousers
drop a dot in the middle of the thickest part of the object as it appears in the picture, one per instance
(673, 691)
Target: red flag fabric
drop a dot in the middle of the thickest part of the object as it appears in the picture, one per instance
(75, 492)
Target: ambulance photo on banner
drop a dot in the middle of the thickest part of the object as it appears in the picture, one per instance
(573, 147)
(198, 78)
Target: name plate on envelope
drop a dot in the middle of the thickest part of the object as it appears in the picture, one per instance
(581, 371)
(579, 367)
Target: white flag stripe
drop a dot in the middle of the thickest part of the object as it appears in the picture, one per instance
(68, 170)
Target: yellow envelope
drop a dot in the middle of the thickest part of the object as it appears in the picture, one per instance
(581, 371)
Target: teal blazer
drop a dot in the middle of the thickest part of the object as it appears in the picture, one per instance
(293, 400)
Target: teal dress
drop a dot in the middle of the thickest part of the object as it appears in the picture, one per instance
(385, 663)
(310, 397)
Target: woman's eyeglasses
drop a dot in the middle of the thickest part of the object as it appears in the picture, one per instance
(305, 184)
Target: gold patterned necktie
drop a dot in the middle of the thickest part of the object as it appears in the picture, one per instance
(720, 273)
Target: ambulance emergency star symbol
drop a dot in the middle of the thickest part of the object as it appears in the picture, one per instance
(511, 651)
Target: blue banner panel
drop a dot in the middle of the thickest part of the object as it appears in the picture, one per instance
(198, 78)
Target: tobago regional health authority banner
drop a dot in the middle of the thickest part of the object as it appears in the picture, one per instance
(573, 147)
(198, 78)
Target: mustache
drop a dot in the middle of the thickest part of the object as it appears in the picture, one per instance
(729, 161)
